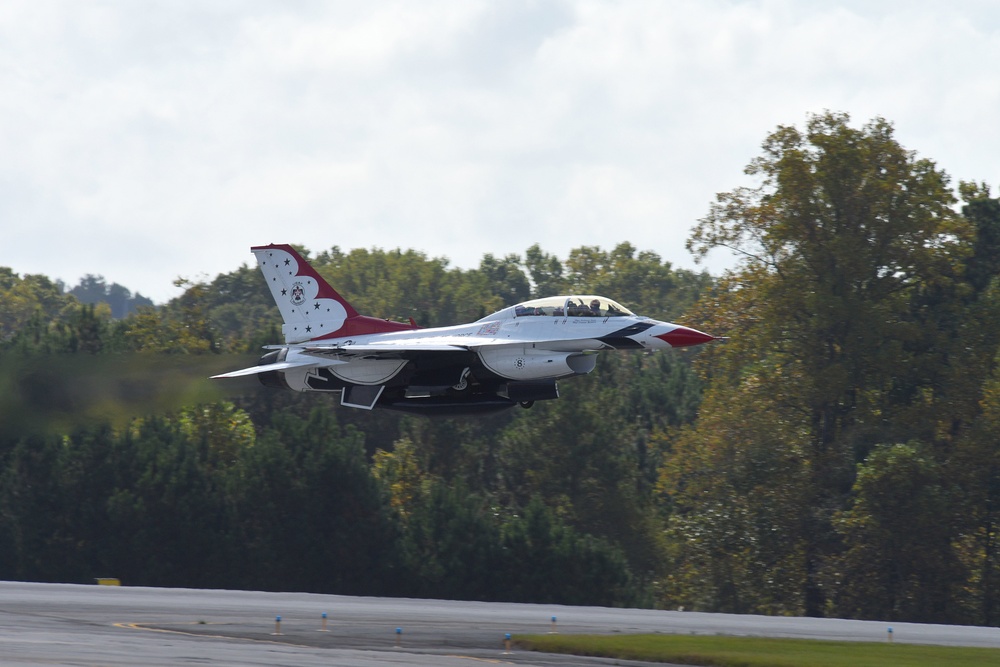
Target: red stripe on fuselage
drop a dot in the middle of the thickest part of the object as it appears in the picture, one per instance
(361, 325)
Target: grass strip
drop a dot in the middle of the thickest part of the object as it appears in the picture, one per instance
(721, 651)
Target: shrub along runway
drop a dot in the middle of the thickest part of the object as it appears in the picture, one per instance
(117, 626)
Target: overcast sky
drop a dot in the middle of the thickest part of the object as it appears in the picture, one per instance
(146, 141)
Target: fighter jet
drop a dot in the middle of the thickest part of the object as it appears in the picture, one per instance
(513, 357)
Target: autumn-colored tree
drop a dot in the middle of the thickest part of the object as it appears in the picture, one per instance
(845, 236)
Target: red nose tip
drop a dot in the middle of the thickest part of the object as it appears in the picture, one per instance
(684, 337)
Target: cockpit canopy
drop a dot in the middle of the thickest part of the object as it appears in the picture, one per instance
(571, 306)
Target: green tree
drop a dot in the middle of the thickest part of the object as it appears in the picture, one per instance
(640, 280)
(546, 272)
(33, 302)
(736, 487)
(307, 514)
(240, 310)
(548, 561)
(451, 544)
(974, 470)
(401, 285)
(899, 561)
(844, 237)
(119, 300)
(506, 279)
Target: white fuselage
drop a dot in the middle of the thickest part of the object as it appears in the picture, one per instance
(513, 356)
(511, 347)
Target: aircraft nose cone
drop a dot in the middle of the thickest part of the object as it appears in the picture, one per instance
(685, 337)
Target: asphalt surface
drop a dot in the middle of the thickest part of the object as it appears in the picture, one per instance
(107, 626)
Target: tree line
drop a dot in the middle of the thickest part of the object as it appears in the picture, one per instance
(274, 490)
(204, 498)
(844, 460)
(835, 457)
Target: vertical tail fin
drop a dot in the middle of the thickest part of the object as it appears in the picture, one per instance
(310, 307)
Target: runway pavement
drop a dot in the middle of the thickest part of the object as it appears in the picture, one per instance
(107, 626)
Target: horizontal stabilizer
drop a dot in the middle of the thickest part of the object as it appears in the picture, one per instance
(265, 368)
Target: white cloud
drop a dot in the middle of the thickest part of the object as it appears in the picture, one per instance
(146, 141)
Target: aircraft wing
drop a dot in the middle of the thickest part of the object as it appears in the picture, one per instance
(330, 355)
(385, 348)
(406, 347)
